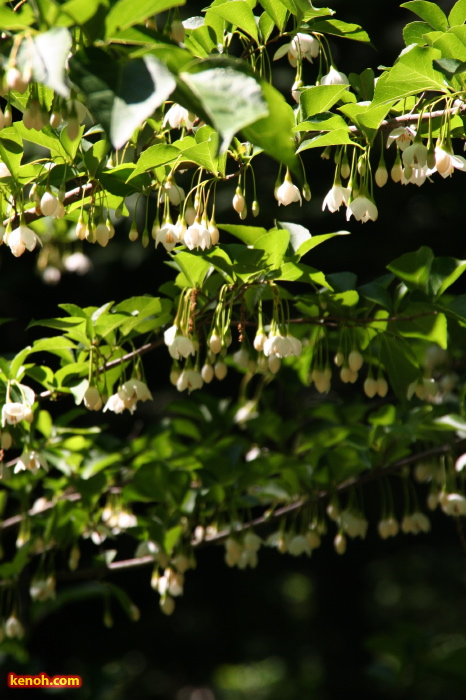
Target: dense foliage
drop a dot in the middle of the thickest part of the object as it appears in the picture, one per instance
(338, 383)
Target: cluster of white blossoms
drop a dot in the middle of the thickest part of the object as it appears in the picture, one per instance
(169, 583)
(241, 551)
(118, 518)
(419, 161)
(125, 399)
(12, 628)
(19, 239)
(42, 588)
(30, 461)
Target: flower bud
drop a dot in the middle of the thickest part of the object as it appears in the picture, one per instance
(239, 202)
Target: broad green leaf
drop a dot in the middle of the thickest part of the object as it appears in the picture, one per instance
(16, 21)
(401, 367)
(239, 14)
(342, 29)
(274, 133)
(412, 73)
(452, 44)
(414, 33)
(201, 41)
(320, 98)
(78, 11)
(277, 11)
(363, 84)
(51, 344)
(120, 96)
(299, 235)
(154, 157)
(247, 234)
(193, 266)
(274, 244)
(428, 11)
(423, 323)
(126, 13)
(443, 273)
(232, 99)
(95, 156)
(367, 118)
(46, 138)
(220, 259)
(11, 150)
(47, 54)
(457, 13)
(266, 27)
(313, 242)
(299, 272)
(338, 137)
(377, 292)
(414, 268)
(327, 121)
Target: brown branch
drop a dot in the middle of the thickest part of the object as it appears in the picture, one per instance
(72, 196)
(263, 520)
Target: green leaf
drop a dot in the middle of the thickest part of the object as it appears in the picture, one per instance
(414, 33)
(11, 150)
(338, 137)
(247, 234)
(230, 98)
(414, 268)
(299, 235)
(308, 245)
(154, 157)
(443, 273)
(120, 96)
(126, 13)
(452, 44)
(428, 11)
(78, 11)
(326, 121)
(429, 325)
(363, 84)
(412, 73)
(274, 244)
(367, 118)
(239, 14)
(193, 266)
(341, 29)
(47, 53)
(457, 13)
(320, 98)
(274, 133)
(401, 368)
(46, 138)
(277, 11)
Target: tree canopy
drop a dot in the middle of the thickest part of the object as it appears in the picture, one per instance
(126, 128)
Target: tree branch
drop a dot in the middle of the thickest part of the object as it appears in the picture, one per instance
(259, 522)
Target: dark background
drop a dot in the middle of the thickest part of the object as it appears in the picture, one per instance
(386, 620)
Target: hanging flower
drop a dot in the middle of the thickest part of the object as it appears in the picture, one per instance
(362, 208)
(182, 346)
(337, 196)
(177, 117)
(446, 161)
(189, 379)
(402, 136)
(13, 412)
(288, 193)
(31, 461)
(334, 77)
(119, 402)
(21, 238)
(167, 236)
(135, 389)
(301, 46)
(415, 154)
(198, 236)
